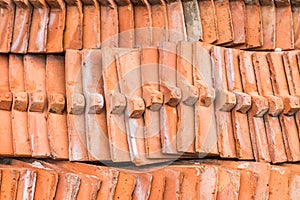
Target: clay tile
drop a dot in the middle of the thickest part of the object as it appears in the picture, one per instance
(284, 38)
(239, 118)
(35, 85)
(258, 109)
(228, 183)
(6, 24)
(223, 22)
(107, 175)
(125, 186)
(91, 24)
(109, 24)
(5, 105)
(167, 85)
(254, 34)
(115, 107)
(38, 27)
(205, 127)
(21, 139)
(268, 19)
(263, 77)
(225, 101)
(126, 24)
(192, 20)
(74, 25)
(56, 26)
(75, 106)
(238, 16)
(176, 25)
(46, 180)
(157, 185)
(279, 182)
(208, 21)
(95, 116)
(22, 22)
(190, 95)
(57, 116)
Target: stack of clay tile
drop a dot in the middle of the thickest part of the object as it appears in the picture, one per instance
(151, 104)
(52, 26)
(211, 179)
(149, 99)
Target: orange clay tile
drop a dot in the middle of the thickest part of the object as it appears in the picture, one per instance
(35, 86)
(192, 20)
(38, 27)
(21, 139)
(26, 182)
(22, 21)
(176, 24)
(228, 183)
(292, 72)
(258, 109)
(125, 186)
(291, 105)
(294, 178)
(153, 99)
(88, 186)
(253, 24)
(190, 186)
(284, 38)
(268, 19)
(57, 116)
(91, 24)
(107, 175)
(273, 129)
(142, 23)
(296, 22)
(172, 96)
(115, 103)
(56, 26)
(6, 137)
(225, 101)
(75, 106)
(9, 183)
(68, 183)
(239, 116)
(205, 122)
(74, 25)
(279, 183)
(224, 22)
(248, 179)
(157, 185)
(173, 183)
(95, 115)
(126, 24)
(208, 21)
(238, 16)
(109, 23)
(190, 95)
(129, 72)
(208, 181)
(254, 178)
(7, 8)
(142, 186)
(46, 179)
(159, 21)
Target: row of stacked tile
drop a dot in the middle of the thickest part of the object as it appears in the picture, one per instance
(53, 26)
(212, 179)
(151, 105)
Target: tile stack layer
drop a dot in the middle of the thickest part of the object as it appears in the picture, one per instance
(149, 99)
(52, 26)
